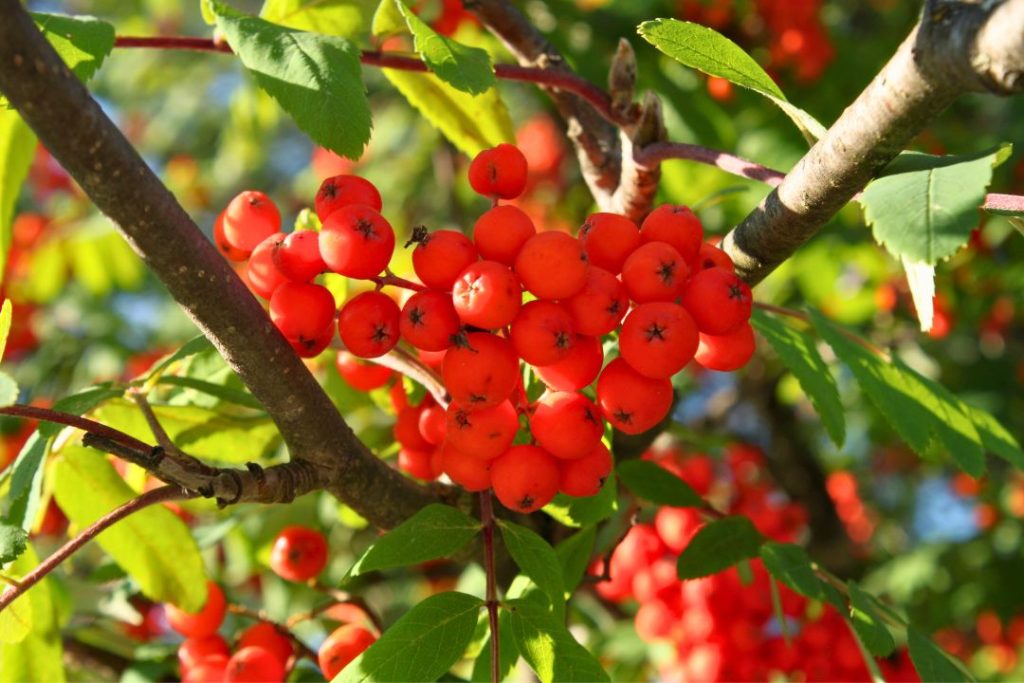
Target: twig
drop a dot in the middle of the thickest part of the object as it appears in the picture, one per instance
(154, 497)
(400, 360)
(77, 421)
(487, 519)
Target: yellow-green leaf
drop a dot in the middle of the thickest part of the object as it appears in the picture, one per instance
(37, 655)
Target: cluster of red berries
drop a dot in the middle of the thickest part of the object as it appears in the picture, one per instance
(264, 652)
(670, 297)
(721, 627)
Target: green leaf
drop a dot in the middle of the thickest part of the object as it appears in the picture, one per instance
(387, 20)
(220, 391)
(471, 123)
(17, 147)
(924, 207)
(508, 653)
(209, 434)
(30, 639)
(26, 476)
(798, 353)
(433, 532)
(464, 68)
(536, 558)
(574, 555)
(916, 407)
(996, 438)
(79, 404)
(8, 389)
(581, 512)
(657, 485)
(82, 42)
(707, 50)
(330, 17)
(167, 565)
(422, 645)
(5, 325)
(790, 564)
(317, 79)
(193, 346)
(12, 542)
(869, 626)
(719, 545)
(933, 665)
(548, 647)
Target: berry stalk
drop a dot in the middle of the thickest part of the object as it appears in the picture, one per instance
(487, 517)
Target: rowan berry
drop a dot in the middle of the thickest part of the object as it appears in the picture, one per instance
(369, 324)
(718, 300)
(212, 669)
(567, 425)
(250, 218)
(472, 474)
(345, 190)
(360, 374)
(552, 265)
(254, 665)
(424, 464)
(194, 650)
(270, 638)
(499, 172)
(203, 623)
(301, 310)
(655, 272)
(433, 424)
(311, 348)
(542, 333)
(299, 553)
(658, 339)
(221, 242)
(578, 369)
(608, 239)
(297, 257)
(677, 226)
(441, 256)
(260, 271)
(357, 242)
(676, 526)
(407, 429)
(525, 478)
(631, 402)
(341, 647)
(598, 308)
(500, 233)
(726, 352)
(487, 295)
(481, 371)
(585, 476)
(483, 433)
(711, 256)
(429, 321)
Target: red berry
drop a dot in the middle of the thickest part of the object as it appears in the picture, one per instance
(578, 369)
(223, 246)
(268, 637)
(487, 295)
(499, 172)
(472, 474)
(249, 219)
(655, 272)
(481, 371)
(675, 225)
(726, 352)
(658, 339)
(433, 424)
(357, 242)
(543, 333)
(345, 190)
(407, 429)
(567, 425)
(711, 256)
(481, 433)
(360, 374)
(313, 347)
(608, 240)
(441, 256)
(500, 233)
(341, 647)
(525, 478)
(194, 650)
(203, 623)
(425, 465)
(299, 553)
(631, 402)
(210, 670)
(718, 300)
(585, 476)
(254, 665)
(262, 274)
(429, 321)
(298, 256)
(676, 526)
(302, 310)
(552, 265)
(598, 308)
(368, 324)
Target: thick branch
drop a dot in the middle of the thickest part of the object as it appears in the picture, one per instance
(53, 102)
(957, 47)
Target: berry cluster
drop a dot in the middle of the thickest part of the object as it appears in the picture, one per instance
(509, 295)
(723, 628)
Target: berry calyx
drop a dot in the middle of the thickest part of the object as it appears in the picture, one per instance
(543, 333)
(429, 321)
(345, 190)
(658, 339)
(369, 324)
(718, 300)
(655, 272)
(487, 295)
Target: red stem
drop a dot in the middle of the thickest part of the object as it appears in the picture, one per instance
(83, 423)
(160, 495)
(487, 518)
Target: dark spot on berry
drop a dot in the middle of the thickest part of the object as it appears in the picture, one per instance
(586, 228)
(562, 340)
(736, 291)
(329, 190)
(622, 416)
(655, 331)
(667, 272)
(477, 398)
(614, 307)
(416, 316)
(365, 228)
(589, 415)
(526, 502)
(380, 334)
(462, 419)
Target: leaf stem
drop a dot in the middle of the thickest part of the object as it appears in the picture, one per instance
(487, 518)
(803, 317)
(77, 421)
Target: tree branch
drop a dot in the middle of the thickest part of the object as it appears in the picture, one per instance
(53, 102)
(957, 47)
